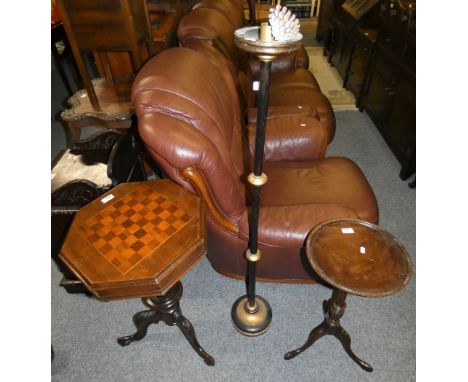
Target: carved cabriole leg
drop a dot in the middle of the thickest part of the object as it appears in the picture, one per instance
(345, 340)
(187, 329)
(315, 334)
(141, 320)
(167, 309)
(334, 309)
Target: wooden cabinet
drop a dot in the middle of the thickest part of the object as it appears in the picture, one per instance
(347, 36)
(359, 64)
(390, 93)
(326, 20)
(373, 48)
(342, 45)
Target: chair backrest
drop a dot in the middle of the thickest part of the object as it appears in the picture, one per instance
(227, 68)
(209, 24)
(106, 26)
(189, 119)
(229, 9)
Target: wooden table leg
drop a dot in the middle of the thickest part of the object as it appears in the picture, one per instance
(333, 311)
(166, 308)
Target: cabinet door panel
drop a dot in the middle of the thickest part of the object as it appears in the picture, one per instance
(390, 41)
(377, 101)
(401, 127)
(337, 45)
(384, 67)
(406, 91)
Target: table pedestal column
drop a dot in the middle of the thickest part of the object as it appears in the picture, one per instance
(333, 310)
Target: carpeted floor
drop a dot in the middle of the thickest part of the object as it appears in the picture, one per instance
(84, 330)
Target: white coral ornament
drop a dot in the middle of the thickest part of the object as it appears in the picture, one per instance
(284, 25)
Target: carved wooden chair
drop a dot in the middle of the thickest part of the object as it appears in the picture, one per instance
(85, 172)
(100, 27)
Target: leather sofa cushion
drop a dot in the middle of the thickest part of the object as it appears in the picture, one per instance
(286, 62)
(301, 96)
(282, 111)
(291, 138)
(299, 78)
(332, 180)
(288, 226)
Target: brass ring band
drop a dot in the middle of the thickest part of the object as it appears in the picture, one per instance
(255, 180)
(253, 256)
(266, 58)
(251, 309)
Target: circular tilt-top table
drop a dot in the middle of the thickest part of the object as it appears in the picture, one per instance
(354, 257)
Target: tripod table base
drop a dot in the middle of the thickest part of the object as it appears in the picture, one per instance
(166, 309)
(333, 310)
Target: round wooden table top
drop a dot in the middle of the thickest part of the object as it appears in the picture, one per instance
(358, 257)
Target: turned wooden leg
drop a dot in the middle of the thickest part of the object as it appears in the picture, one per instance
(167, 309)
(333, 309)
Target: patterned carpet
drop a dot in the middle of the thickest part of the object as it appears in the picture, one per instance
(329, 80)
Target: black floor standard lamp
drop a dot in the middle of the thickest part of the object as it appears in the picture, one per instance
(251, 313)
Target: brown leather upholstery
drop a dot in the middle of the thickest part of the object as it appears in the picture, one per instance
(211, 26)
(229, 9)
(289, 127)
(189, 119)
(233, 11)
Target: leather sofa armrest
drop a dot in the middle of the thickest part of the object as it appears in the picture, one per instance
(292, 138)
(283, 111)
(286, 62)
(288, 226)
(302, 58)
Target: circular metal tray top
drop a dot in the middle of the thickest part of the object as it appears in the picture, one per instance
(248, 39)
(358, 257)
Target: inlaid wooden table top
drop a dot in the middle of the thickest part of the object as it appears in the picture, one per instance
(358, 257)
(136, 240)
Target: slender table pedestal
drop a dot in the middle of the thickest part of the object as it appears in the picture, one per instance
(354, 257)
(137, 241)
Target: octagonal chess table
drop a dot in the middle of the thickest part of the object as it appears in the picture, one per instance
(137, 241)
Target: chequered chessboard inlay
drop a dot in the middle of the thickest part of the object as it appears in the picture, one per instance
(129, 229)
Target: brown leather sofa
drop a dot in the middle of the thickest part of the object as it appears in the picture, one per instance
(189, 118)
(233, 11)
(290, 84)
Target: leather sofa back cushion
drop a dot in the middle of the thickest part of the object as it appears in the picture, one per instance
(182, 98)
